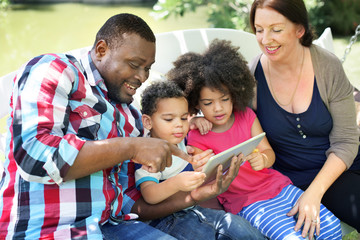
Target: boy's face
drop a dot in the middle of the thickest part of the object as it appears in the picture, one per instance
(170, 121)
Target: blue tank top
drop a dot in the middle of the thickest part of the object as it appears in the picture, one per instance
(299, 140)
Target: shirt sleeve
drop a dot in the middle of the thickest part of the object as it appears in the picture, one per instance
(141, 175)
(40, 144)
(337, 94)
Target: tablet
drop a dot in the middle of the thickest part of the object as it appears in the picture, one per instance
(225, 157)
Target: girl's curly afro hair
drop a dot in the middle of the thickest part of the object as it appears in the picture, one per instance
(220, 67)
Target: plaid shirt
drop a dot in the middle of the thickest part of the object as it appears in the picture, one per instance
(58, 103)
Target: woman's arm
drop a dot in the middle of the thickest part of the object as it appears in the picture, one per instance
(308, 205)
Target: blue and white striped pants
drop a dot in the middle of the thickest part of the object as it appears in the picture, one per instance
(269, 216)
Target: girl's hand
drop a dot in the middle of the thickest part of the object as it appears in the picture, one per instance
(188, 181)
(257, 160)
(308, 209)
(200, 163)
(200, 123)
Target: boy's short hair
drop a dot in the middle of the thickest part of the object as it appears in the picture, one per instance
(156, 91)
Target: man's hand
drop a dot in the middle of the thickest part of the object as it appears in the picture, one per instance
(155, 154)
(220, 184)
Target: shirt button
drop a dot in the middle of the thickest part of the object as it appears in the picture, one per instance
(298, 126)
(85, 114)
(297, 119)
(304, 136)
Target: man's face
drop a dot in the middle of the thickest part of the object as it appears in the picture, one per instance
(125, 67)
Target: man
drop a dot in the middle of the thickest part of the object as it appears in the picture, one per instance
(72, 131)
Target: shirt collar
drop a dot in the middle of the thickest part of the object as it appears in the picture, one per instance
(93, 76)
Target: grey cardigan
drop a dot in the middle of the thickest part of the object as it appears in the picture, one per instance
(337, 94)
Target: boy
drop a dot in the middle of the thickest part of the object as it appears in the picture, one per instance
(165, 116)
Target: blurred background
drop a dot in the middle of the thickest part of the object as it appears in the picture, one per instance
(32, 27)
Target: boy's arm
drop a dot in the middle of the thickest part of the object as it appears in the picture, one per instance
(181, 200)
(154, 193)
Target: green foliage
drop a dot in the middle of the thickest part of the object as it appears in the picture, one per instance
(221, 13)
(352, 236)
(341, 15)
(4, 4)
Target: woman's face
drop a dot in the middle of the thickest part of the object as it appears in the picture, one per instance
(277, 36)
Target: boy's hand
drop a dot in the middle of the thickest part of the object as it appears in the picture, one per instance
(188, 181)
(200, 123)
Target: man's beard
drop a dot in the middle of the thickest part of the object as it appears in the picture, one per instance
(115, 96)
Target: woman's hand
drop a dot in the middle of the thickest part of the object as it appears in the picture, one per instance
(200, 123)
(308, 209)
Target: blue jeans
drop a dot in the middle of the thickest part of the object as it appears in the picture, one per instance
(206, 223)
(132, 230)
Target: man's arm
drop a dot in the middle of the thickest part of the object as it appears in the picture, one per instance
(153, 153)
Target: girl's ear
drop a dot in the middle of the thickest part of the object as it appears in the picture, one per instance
(146, 120)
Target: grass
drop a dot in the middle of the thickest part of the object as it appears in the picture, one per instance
(352, 236)
(351, 64)
(352, 69)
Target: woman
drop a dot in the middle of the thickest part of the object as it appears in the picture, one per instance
(305, 105)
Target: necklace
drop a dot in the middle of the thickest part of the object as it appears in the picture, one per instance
(297, 84)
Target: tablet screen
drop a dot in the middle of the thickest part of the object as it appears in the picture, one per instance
(225, 157)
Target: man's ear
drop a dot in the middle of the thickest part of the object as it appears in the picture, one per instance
(100, 49)
(146, 120)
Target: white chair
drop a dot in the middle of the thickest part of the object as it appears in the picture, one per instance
(170, 45)
(326, 40)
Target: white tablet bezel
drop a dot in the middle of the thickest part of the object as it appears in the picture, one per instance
(225, 157)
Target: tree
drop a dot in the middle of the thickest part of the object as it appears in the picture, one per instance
(221, 13)
(341, 15)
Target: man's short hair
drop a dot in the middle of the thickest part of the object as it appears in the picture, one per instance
(114, 28)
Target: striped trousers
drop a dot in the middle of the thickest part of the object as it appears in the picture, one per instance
(269, 216)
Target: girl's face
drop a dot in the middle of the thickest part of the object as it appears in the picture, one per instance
(217, 107)
(170, 121)
(277, 36)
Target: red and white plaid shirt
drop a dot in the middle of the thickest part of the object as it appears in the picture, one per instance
(58, 103)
